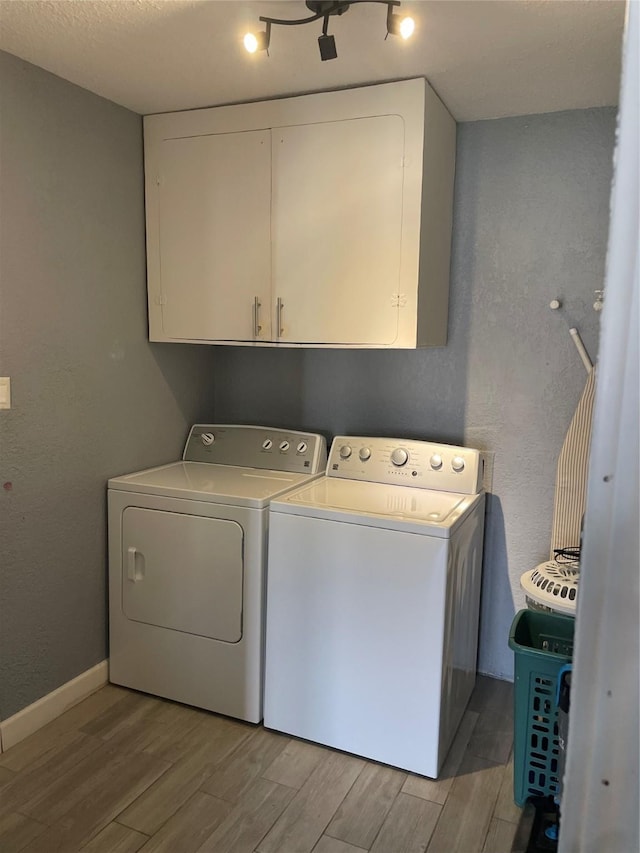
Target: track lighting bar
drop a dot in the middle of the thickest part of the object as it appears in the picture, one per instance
(325, 9)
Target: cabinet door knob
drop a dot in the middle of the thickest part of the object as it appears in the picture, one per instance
(257, 328)
(279, 308)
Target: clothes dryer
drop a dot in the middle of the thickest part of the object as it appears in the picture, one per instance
(187, 559)
(373, 601)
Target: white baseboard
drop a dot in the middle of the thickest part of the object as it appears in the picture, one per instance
(37, 715)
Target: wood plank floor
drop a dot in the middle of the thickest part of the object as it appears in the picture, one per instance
(123, 772)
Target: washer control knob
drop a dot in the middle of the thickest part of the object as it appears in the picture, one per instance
(365, 453)
(284, 446)
(399, 457)
(457, 463)
(207, 438)
(302, 447)
(345, 451)
(267, 444)
(436, 462)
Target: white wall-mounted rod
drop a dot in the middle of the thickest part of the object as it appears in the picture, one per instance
(584, 355)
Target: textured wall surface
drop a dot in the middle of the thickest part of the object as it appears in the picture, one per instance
(91, 397)
(531, 219)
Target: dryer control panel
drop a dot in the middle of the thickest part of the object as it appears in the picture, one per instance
(268, 448)
(400, 462)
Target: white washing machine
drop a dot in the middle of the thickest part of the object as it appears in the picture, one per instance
(373, 601)
(187, 560)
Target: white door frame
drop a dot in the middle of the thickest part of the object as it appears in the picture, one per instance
(599, 809)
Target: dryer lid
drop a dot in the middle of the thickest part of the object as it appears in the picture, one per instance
(201, 481)
(331, 498)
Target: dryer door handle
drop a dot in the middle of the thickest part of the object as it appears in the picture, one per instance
(135, 564)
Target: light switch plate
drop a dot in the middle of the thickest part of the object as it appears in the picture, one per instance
(5, 392)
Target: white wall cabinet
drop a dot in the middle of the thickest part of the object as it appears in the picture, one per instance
(320, 220)
(213, 234)
(336, 230)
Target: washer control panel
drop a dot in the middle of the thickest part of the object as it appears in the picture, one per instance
(257, 447)
(421, 464)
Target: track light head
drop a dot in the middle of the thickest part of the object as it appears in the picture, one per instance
(397, 26)
(327, 45)
(258, 41)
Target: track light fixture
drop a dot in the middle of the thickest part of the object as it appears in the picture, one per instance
(325, 9)
(397, 26)
(258, 41)
(326, 43)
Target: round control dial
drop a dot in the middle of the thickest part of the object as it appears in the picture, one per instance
(436, 461)
(267, 444)
(364, 454)
(457, 463)
(302, 447)
(207, 438)
(345, 451)
(284, 446)
(399, 457)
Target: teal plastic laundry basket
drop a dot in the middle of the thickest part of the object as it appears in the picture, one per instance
(542, 644)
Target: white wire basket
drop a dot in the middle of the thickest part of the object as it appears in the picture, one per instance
(552, 586)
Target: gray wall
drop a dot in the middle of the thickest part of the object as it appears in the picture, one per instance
(91, 397)
(531, 217)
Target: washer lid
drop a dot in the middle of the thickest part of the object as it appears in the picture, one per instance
(201, 481)
(378, 505)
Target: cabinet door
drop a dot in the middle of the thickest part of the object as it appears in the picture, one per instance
(337, 224)
(214, 235)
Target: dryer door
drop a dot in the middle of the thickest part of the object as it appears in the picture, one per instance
(183, 572)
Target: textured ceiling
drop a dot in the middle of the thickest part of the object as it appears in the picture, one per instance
(485, 59)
